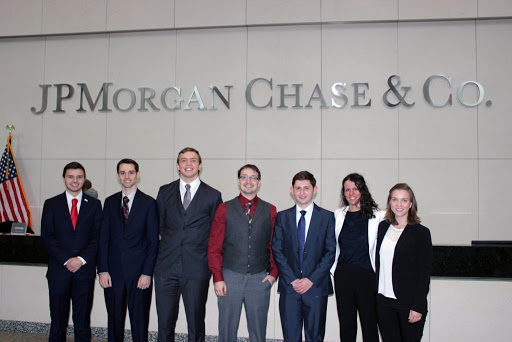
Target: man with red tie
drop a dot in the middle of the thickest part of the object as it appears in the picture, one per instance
(69, 231)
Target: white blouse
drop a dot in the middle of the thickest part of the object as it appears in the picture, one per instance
(386, 254)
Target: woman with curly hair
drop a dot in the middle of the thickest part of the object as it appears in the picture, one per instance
(355, 282)
(404, 265)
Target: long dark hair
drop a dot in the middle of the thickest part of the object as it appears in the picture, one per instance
(412, 216)
(368, 205)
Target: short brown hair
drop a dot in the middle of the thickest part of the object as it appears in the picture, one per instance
(304, 175)
(188, 149)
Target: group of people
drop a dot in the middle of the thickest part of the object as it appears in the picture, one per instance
(381, 261)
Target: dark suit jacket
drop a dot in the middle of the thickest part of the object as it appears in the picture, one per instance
(183, 233)
(62, 242)
(128, 252)
(319, 250)
(412, 265)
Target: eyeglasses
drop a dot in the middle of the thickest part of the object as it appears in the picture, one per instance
(252, 178)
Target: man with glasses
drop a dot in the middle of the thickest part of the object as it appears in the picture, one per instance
(240, 258)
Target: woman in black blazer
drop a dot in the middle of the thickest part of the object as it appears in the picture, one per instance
(403, 265)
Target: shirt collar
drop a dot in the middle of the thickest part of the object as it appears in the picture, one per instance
(243, 200)
(131, 196)
(309, 209)
(69, 197)
(193, 185)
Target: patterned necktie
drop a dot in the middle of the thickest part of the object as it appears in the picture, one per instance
(126, 210)
(248, 211)
(74, 212)
(187, 198)
(301, 234)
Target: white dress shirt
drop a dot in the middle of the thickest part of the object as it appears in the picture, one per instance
(194, 185)
(307, 216)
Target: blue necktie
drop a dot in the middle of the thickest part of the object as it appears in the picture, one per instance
(301, 234)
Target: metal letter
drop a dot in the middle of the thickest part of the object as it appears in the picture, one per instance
(92, 105)
(71, 91)
(198, 99)
(176, 101)
(147, 99)
(296, 95)
(248, 93)
(426, 91)
(319, 97)
(480, 93)
(44, 100)
(216, 90)
(358, 94)
(132, 99)
(339, 94)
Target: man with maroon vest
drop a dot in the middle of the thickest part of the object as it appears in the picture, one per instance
(240, 258)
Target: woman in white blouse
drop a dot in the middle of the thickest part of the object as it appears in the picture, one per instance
(404, 265)
(353, 270)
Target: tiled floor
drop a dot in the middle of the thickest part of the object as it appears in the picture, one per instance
(7, 336)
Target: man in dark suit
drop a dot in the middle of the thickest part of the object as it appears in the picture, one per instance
(127, 254)
(304, 247)
(187, 207)
(69, 231)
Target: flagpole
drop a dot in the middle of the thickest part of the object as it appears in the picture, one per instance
(22, 197)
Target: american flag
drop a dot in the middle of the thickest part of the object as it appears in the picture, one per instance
(13, 204)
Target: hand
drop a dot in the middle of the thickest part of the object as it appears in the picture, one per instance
(220, 289)
(74, 264)
(105, 280)
(414, 316)
(302, 286)
(270, 278)
(144, 282)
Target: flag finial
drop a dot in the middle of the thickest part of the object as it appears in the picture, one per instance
(10, 128)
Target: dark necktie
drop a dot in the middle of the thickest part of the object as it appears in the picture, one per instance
(248, 211)
(74, 212)
(126, 210)
(301, 234)
(187, 198)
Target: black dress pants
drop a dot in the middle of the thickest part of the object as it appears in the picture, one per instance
(356, 289)
(394, 325)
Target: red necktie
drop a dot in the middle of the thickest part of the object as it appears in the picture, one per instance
(74, 212)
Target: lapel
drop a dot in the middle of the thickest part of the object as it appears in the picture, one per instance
(312, 224)
(292, 223)
(403, 240)
(84, 207)
(118, 208)
(63, 203)
(135, 207)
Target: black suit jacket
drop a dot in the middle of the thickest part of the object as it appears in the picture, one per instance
(128, 252)
(319, 250)
(62, 242)
(185, 234)
(412, 265)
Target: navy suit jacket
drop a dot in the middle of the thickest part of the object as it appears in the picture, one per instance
(412, 265)
(185, 233)
(128, 252)
(63, 243)
(319, 250)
